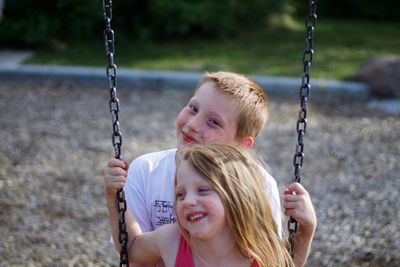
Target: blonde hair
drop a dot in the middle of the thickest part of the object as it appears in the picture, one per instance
(248, 95)
(235, 175)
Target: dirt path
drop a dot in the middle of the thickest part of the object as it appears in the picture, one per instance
(55, 140)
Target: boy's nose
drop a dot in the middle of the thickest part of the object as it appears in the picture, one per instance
(194, 124)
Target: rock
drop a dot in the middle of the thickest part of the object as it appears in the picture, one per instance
(391, 106)
(382, 74)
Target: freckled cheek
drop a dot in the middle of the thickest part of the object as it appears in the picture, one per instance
(213, 138)
(206, 139)
(180, 120)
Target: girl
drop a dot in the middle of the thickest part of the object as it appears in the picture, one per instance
(223, 215)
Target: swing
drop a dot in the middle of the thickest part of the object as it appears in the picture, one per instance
(116, 136)
(301, 124)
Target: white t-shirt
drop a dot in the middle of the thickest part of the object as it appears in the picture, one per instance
(149, 190)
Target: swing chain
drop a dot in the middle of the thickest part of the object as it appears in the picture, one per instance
(301, 125)
(116, 136)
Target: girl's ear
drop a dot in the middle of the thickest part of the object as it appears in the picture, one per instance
(247, 141)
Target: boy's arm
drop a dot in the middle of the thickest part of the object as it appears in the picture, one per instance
(136, 203)
(134, 189)
(297, 203)
(141, 247)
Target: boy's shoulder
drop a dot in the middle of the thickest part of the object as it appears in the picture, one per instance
(151, 169)
(268, 178)
(153, 162)
(155, 156)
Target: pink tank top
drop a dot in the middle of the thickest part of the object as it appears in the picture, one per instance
(184, 256)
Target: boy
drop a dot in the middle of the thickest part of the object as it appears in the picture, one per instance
(225, 108)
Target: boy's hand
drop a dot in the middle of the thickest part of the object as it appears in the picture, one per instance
(297, 203)
(115, 176)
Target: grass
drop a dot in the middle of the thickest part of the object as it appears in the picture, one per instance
(341, 47)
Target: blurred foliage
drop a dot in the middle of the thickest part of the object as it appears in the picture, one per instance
(36, 23)
(209, 17)
(341, 46)
(31, 23)
(369, 10)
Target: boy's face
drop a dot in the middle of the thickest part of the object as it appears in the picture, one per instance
(210, 117)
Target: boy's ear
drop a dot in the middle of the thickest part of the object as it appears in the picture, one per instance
(247, 141)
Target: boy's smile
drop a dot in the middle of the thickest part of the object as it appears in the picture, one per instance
(210, 117)
(187, 139)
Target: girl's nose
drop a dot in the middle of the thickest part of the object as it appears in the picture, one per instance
(190, 200)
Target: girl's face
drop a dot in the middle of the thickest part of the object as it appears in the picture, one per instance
(198, 206)
(210, 117)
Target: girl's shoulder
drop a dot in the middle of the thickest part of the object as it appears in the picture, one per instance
(168, 237)
(169, 232)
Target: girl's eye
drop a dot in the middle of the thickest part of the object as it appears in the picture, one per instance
(180, 196)
(204, 191)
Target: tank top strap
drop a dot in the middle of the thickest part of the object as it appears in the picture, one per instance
(184, 256)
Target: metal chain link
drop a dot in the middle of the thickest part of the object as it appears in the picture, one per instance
(301, 125)
(116, 136)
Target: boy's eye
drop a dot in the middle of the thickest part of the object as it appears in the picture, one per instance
(192, 108)
(214, 122)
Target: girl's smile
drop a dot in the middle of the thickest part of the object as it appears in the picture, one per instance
(195, 216)
(199, 208)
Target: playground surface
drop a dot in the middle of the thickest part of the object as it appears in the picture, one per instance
(56, 140)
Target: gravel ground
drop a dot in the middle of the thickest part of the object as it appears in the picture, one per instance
(56, 139)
